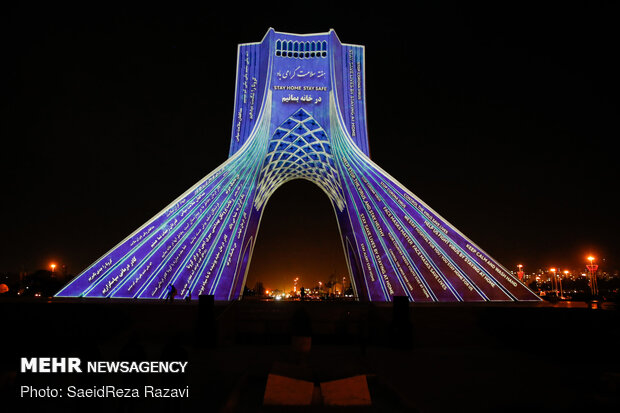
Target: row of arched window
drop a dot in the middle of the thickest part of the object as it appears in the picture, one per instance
(301, 50)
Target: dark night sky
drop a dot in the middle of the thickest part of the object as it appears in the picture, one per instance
(500, 117)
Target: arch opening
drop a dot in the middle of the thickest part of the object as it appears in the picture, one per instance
(298, 238)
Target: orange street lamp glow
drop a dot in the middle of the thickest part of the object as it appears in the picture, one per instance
(593, 282)
(53, 267)
(554, 281)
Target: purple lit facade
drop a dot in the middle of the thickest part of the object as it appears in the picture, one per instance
(299, 114)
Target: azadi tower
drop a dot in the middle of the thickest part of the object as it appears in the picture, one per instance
(300, 113)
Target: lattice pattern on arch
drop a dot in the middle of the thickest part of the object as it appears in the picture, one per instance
(299, 148)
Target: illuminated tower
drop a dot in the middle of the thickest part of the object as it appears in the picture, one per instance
(300, 113)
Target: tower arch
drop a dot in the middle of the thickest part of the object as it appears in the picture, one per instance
(300, 113)
(298, 236)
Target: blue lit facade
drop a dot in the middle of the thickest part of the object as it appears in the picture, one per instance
(299, 114)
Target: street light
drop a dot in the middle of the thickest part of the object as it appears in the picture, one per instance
(53, 267)
(592, 269)
(560, 278)
(520, 272)
(555, 281)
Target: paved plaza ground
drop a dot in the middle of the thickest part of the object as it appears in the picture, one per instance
(438, 358)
